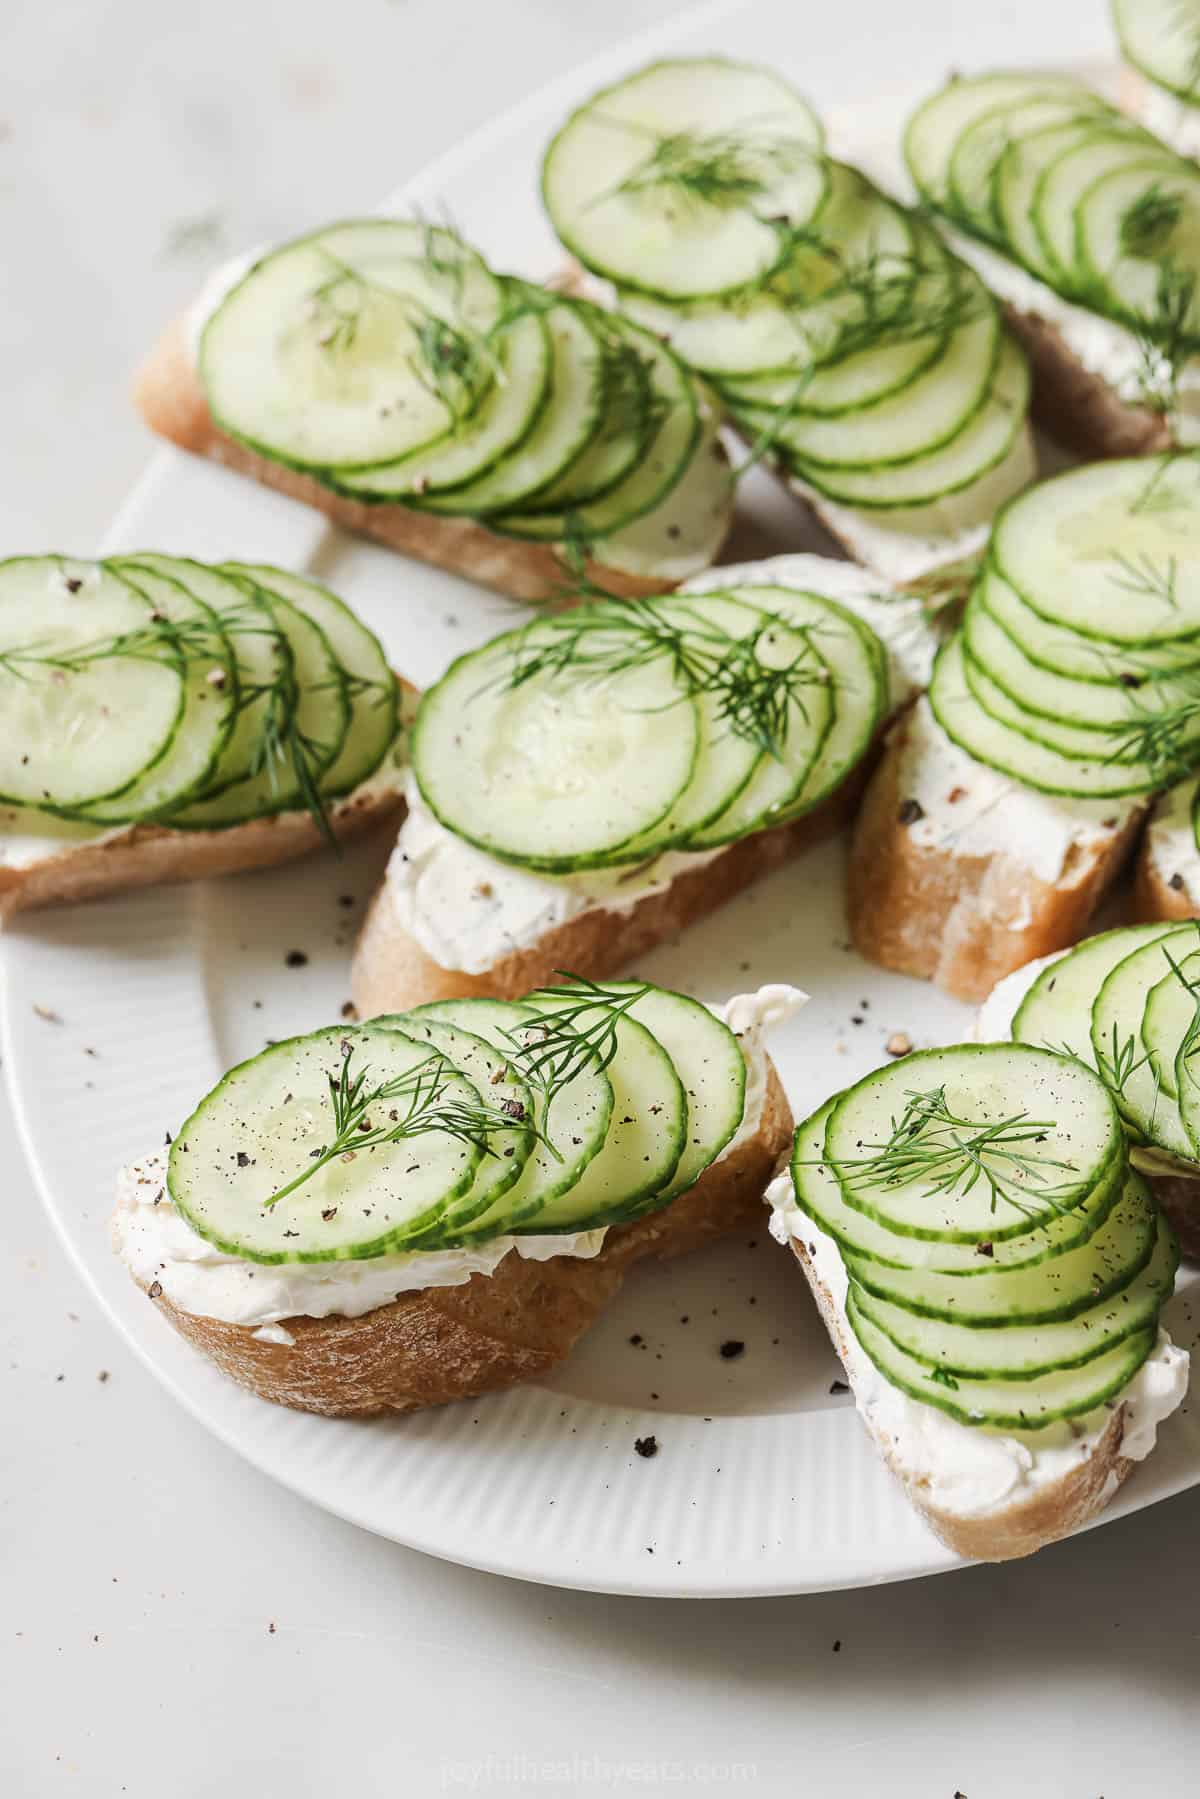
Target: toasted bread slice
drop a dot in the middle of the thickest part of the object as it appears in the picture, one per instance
(169, 396)
(1167, 877)
(959, 875)
(1033, 1513)
(438, 1344)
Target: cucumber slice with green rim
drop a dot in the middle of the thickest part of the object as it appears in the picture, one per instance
(1117, 1021)
(983, 443)
(1060, 192)
(832, 390)
(1061, 651)
(1110, 550)
(971, 184)
(302, 736)
(625, 423)
(570, 421)
(1022, 1405)
(1044, 1134)
(996, 744)
(1017, 1350)
(1187, 1086)
(1056, 1012)
(272, 1119)
(1161, 38)
(371, 685)
(1018, 173)
(1054, 1287)
(709, 1062)
(490, 1073)
(932, 410)
(357, 344)
(941, 121)
(554, 773)
(820, 1197)
(1169, 1017)
(209, 712)
(92, 689)
(684, 530)
(572, 1126)
(261, 651)
(1110, 744)
(681, 178)
(647, 1132)
(1131, 225)
(501, 423)
(674, 440)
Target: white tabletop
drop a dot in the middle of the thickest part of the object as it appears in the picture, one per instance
(169, 1620)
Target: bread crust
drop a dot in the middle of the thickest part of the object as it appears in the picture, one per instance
(1155, 898)
(171, 400)
(391, 972)
(963, 922)
(441, 1344)
(154, 855)
(1076, 407)
(1027, 1524)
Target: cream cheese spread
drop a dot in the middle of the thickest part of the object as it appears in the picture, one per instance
(976, 811)
(158, 1245)
(971, 1470)
(1171, 840)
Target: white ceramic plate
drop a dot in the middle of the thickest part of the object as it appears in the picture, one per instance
(118, 1016)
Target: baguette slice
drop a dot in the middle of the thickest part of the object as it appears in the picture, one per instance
(1011, 1526)
(168, 394)
(1167, 877)
(83, 867)
(439, 1344)
(965, 903)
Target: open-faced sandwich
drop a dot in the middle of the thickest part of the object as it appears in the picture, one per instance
(165, 720)
(1127, 1003)
(584, 786)
(991, 1271)
(1008, 799)
(379, 1217)
(379, 370)
(848, 345)
(1084, 223)
(1160, 83)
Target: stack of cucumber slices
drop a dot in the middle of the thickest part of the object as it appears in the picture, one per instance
(1128, 1003)
(1004, 1262)
(461, 1121)
(1085, 200)
(1077, 670)
(1160, 38)
(153, 689)
(609, 734)
(385, 358)
(841, 334)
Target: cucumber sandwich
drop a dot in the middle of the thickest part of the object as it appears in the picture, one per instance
(1086, 224)
(847, 344)
(1160, 86)
(991, 1270)
(166, 719)
(379, 1217)
(382, 371)
(1068, 699)
(587, 784)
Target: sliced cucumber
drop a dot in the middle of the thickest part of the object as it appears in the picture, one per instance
(941, 121)
(1059, 195)
(555, 773)
(1128, 272)
(271, 1119)
(819, 1195)
(680, 178)
(1100, 550)
(1170, 1015)
(1061, 651)
(568, 424)
(1018, 173)
(978, 150)
(1054, 1287)
(1018, 1350)
(1159, 38)
(709, 1062)
(627, 420)
(1047, 1131)
(1117, 1020)
(355, 345)
(1005, 1404)
(647, 1133)
(92, 688)
(1056, 1012)
(371, 685)
(1109, 744)
(834, 389)
(571, 1127)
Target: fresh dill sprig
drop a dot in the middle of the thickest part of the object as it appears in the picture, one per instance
(1156, 496)
(1147, 579)
(1118, 1061)
(1148, 221)
(754, 698)
(579, 1032)
(950, 1156)
(413, 1104)
(713, 168)
(1166, 338)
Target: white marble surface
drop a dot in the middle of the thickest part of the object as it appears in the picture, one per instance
(169, 1621)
